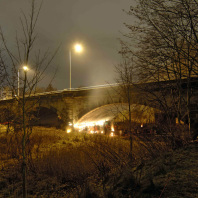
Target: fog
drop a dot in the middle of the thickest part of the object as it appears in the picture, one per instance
(95, 24)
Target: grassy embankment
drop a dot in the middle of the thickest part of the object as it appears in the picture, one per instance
(80, 165)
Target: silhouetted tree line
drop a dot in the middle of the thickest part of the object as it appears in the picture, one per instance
(162, 45)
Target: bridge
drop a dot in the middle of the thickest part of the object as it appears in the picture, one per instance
(70, 105)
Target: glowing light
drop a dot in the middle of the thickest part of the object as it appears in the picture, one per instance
(91, 127)
(25, 68)
(83, 125)
(112, 127)
(112, 134)
(89, 124)
(78, 48)
(141, 125)
(100, 123)
(68, 130)
(70, 124)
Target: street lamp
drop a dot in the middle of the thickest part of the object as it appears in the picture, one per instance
(25, 69)
(77, 48)
(18, 84)
(24, 166)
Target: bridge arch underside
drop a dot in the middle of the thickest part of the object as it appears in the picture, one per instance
(115, 117)
(6, 115)
(47, 117)
(37, 116)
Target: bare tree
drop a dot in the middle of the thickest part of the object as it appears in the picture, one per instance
(50, 88)
(125, 79)
(11, 62)
(164, 43)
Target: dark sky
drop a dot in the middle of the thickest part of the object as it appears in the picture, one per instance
(94, 23)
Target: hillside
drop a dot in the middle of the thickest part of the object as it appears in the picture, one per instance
(81, 165)
(172, 175)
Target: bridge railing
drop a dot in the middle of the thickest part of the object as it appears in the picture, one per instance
(65, 90)
(76, 89)
(94, 87)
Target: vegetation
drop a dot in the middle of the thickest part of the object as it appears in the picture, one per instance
(81, 165)
(23, 56)
(161, 45)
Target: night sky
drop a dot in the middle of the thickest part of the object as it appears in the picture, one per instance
(96, 24)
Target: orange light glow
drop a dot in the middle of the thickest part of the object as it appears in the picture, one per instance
(112, 127)
(68, 130)
(83, 125)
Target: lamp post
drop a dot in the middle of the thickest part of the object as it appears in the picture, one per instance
(78, 48)
(18, 84)
(25, 69)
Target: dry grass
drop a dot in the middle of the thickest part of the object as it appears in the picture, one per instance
(80, 165)
(66, 160)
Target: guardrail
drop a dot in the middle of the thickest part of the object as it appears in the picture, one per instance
(67, 90)
(76, 89)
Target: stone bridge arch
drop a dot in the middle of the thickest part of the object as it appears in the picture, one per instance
(109, 114)
(73, 104)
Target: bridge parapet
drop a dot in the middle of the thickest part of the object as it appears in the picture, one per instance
(76, 102)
